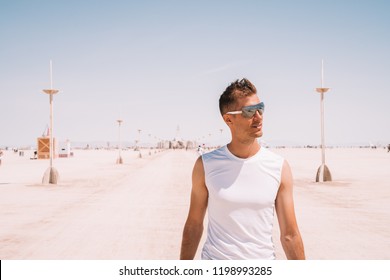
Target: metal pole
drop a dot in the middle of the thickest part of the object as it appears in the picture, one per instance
(51, 131)
(120, 142)
(323, 173)
(51, 117)
(322, 129)
(119, 160)
(138, 144)
(51, 175)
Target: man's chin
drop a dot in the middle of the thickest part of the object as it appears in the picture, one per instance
(258, 134)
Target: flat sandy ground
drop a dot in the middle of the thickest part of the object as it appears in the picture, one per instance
(101, 210)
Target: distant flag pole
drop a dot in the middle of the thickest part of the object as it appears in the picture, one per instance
(138, 143)
(51, 175)
(323, 173)
(119, 160)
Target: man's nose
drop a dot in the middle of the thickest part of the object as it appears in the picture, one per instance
(258, 115)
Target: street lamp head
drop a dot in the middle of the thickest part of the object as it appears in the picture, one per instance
(322, 90)
(51, 91)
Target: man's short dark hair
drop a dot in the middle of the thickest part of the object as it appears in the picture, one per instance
(237, 89)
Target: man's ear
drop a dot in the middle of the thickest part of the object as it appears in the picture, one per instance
(227, 119)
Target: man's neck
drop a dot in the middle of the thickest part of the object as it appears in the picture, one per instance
(244, 149)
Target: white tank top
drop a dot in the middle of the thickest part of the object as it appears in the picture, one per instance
(241, 202)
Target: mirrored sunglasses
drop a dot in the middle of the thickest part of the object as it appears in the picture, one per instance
(249, 111)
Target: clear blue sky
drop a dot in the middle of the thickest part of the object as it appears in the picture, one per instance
(162, 64)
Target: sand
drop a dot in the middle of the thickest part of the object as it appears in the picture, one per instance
(101, 210)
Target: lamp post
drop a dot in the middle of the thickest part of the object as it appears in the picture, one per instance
(139, 137)
(119, 160)
(51, 175)
(323, 173)
(138, 143)
(150, 145)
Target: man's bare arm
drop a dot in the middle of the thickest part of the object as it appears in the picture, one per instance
(290, 236)
(193, 227)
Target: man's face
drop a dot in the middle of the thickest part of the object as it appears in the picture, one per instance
(245, 128)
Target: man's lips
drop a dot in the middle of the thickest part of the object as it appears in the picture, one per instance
(257, 125)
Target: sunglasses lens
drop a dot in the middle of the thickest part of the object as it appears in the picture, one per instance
(249, 111)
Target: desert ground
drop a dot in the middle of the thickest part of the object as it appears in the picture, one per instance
(136, 210)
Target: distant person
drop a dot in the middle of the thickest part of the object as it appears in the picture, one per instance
(1, 156)
(388, 148)
(240, 185)
(200, 150)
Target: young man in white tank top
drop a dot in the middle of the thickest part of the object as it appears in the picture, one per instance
(240, 185)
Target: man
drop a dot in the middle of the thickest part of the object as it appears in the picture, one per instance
(240, 184)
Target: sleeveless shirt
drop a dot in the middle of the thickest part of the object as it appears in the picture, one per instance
(241, 202)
